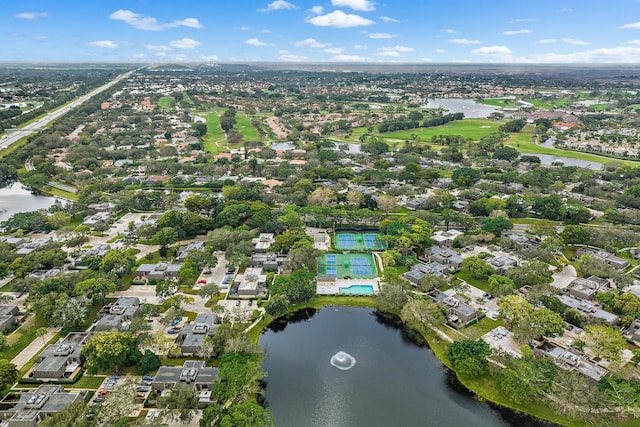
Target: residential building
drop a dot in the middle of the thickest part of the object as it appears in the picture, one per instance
(525, 242)
(448, 257)
(114, 317)
(420, 270)
(192, 336)
(34, 406)
(605, 256)
(587, 289)
(269, 260)
(9, 315)
(502, 263)
(62, 359)
(184, 251)
(252, 283)
(633, 332)
(192, 374)
(263, 242)
(445, 239)
(460, 313)
(589, 310)
(158, 272)
(97, 219)
(571, 360)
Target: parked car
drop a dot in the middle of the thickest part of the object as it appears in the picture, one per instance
(142, 389)
(493, 315)
(487, 295)
(250, 303)
(175, 322)
(202, 282)
(238, 303)
(173, 330)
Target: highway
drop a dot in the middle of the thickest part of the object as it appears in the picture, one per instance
(16, 134)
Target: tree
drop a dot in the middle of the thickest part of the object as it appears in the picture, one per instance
(575, 235)
(496, 225)
(419, 312)
(304, 257)
(166, 289)
(180, 403)
(391, 298)
(465, 177)
(469, 358)
(119, 402)
(40, 333)
(277, 305)
(148, 362)
(501, 286)
(603, 341)
(386, 203)
(322, 197)
(164, 237)
(106, 351)
(526, 378)
(550, 207)
(299, 287)
(209, 290)
(531, 273)
(514, 308)
(8, 374)
(73, 415)
(476, 267)
(118, 263)
(540, 322)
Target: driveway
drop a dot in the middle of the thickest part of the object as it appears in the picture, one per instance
(562, 278)
(32, 349)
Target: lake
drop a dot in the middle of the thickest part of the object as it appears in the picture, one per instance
(470, 108)
(17, 198)
(394, 382)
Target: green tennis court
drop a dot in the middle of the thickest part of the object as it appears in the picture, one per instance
(355, 266)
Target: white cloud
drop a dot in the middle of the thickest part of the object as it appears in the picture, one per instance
(256, 42)
(317, 10)
(440, 51)
(464, 41)
(351, 58)
(362, 5)
(381, 36)
(516, 32)
(547, 41)
(426, 59)
(449, 31)
(334, 50)
(310, 43)
(574, 41)
(161, 54)
(492, 50)
(245, 28)
(394, 51)
(149, 23)
(209, 57)
(31, 15)
(41, 37)
(184, 43)
(361, 46)
(339, 19)
(139, 55)
(634, 26)
(290, 57)
(265, 31)
(620, 54)
(521, 20)
(388, 20)
(158, 48)
(103, 43)
(278, 5)
(634, 42)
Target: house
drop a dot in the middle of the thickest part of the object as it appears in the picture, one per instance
(34, 406)
(461, 205)
(157, 272)
(114, 317)
(102, 207)
(502, 263)
(570, 360)
(443, 183)
(263, 242)
(30, 246)
(445, 239)
(460, 313)
(193, 374)
(184, 251)
(420, 270)
(269, 260)
(525, 242)
(97, 219)
(252, 283)
(415, 203)
(9, 315)
(587, 289)
(602, 255)
(448, 257)
(588, 309)
(192, 336)
(633, 332)
(60, 360)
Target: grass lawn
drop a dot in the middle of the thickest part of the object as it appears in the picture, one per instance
(469, 128)
(60, 193)
(164, 103)
(499, 102)
(90, 382)
(480, 284)
(22, 337)
(214, 133)
(243, 124)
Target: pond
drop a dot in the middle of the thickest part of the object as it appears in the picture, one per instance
(470, 108)
(345, 366)
(16, 198)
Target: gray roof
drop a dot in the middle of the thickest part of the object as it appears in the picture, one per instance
(588, 309)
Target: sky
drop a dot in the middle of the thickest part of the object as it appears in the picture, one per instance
(417, 31)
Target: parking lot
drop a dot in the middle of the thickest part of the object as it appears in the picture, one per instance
(500, 338)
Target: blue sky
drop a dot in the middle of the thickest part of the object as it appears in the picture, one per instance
(543, 31)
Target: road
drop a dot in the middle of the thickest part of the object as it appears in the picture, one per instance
(32, 349)
(15, 135)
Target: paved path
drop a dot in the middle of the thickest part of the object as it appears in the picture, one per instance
(562, 278)
(36, 345)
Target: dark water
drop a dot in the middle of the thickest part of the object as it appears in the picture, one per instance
(395, 381)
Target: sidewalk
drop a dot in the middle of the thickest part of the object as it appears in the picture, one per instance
(32, 349)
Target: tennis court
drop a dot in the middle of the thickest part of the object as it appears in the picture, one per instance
(358, 241)
(355, 266)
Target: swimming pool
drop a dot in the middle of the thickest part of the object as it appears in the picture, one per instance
(358, 290)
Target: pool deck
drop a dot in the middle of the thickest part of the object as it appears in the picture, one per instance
(345, 283)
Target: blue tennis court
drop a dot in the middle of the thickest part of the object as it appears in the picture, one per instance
(347, 241)
(331, 259)
(361, 269)
(341, 265)
(350, 241)
(370, 241)
(332, 271)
